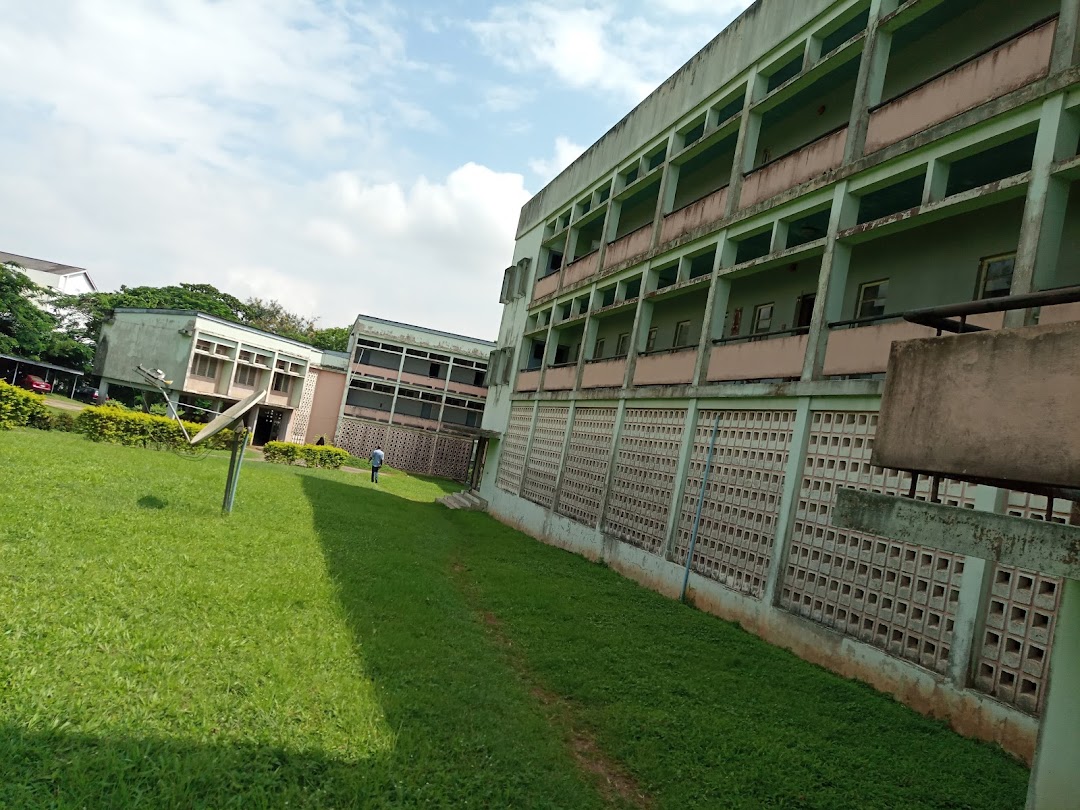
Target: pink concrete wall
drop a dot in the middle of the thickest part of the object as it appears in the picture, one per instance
(963, 404)
(581, 269)
(375, 371)
(604, 373)
(198, 385)
(416, 421)
(758, 359)
(1060, 313)
(366, 413)
(464, 388)
(666, 368)
(322, 421)
(632, 244)
(1016, 63)
(527, 381)
(798, 167)
(273, 399)
(422, 380)
(546, 286)
(560, 378)
(865, 350)
(708, 209)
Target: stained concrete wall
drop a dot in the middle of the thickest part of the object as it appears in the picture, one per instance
(323, 418)
(966, 404)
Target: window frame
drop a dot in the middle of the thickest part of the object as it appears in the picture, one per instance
(247, 371)
(622, 347)
(756, 323)
(650, 338)
(598, 349)
(212, 363)
(682, 340)
(860, 300)
(288, 380)
(981, 275)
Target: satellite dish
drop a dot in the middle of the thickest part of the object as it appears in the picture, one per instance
(228, 417)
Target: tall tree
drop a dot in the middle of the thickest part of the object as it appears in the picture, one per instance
(271, 316)
(333, 338)
(26, 330)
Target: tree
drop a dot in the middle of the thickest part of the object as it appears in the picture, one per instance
(270, 316)
(334, 338)
(26, 330)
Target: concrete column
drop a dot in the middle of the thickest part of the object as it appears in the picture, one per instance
(747, 143)
(103, 388)
(1066, 52)
(670, 177)
(716, 305)
(562, 458)
(616, 435)
(937, 181)
(1055, 775)
(640, 330)
(682, 468)
(871, 78)
(832, 281)
(588, 341)
(778, 242)
(1044, 211)
(969, 624)
(789, 500)
(397, 388)
(812, 52)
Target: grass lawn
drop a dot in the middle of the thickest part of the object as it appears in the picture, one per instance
(338, 644)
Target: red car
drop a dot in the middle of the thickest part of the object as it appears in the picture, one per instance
(31, 382)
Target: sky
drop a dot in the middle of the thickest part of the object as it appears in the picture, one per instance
(340, 156)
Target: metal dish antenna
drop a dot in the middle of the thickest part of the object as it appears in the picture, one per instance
(237, 417)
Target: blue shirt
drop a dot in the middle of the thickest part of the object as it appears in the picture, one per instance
(377, 457)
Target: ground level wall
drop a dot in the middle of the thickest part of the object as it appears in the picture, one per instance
(952, 637)
(417, 451)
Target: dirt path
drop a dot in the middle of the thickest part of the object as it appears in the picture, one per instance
(615, 785)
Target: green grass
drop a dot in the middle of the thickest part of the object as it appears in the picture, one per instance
(338, 644)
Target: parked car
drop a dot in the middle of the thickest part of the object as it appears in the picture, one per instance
(32, 382)
(87, 393)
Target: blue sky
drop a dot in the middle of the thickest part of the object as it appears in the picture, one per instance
(342, 156)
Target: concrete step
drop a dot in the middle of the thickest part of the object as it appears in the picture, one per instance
(464, 500)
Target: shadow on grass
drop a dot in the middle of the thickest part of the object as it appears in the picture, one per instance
(152, 502)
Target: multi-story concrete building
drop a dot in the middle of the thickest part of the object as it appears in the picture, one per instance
(215, 362)
(62, 278)
(734, 256)
(418, 392)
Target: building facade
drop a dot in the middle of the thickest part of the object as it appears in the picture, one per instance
(732, 260)
(214, 363)
(417, 392)
(62, 278)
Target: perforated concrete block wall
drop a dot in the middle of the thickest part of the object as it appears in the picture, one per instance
(514, 444)
(409, 449)
(742, 499)
(896, 596)
(298, 425)
(545, 454)
(452, 457)
(1020, 616)
(645, 465)
(587, 462)
(360, 437)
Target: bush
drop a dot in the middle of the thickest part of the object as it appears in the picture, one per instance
(312, 455)
(19, 408)
(121, 426)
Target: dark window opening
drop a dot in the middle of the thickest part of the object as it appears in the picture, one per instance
(554, 264)
(655, 160)
(667, 276)
(434, 370)
(478, 378)
(607, 297)
(693, 135)
(787, 71)
(753, 247)
(845, 32)
(562, 354)
(892, 199)
(730, 109)
(996, 163)
(804, 310)
(808, 229)
(702, 264)
(706, 172)
(630, 176)
(536, 355)
(638, 211)
(633, 288)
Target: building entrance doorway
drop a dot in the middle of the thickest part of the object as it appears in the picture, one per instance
(267, 426)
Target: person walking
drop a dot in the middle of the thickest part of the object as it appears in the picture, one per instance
(377, 456)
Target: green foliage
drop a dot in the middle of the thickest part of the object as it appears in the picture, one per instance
(26, 330)
(159, 409)
(312, 455)
(19, 408)
(117, 425)
(333, 338)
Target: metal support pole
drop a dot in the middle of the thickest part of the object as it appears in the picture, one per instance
(700, 504)
(235, 460)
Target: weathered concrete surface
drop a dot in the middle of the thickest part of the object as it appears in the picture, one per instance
(700, 212)
(546, 286)
(865, 350)
(581, 269)
(527, 381)
(560, 378)
(604, 373)
(1035, 545)
(807, 163)
(633, 244)
(966, 405)
(780, 357)
(329, 389)
(968, 712)
(666, 368)
(1002, 70)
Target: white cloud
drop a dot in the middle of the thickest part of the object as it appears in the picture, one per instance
(566, 152)
(601, 45)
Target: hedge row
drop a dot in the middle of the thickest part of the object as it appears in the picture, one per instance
(312, 455)
(135, 429)
(19, 408)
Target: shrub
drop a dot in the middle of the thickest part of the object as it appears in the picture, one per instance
(121, 426)
(18, 407)
(312, 455)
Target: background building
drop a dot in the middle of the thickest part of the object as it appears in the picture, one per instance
(734, 255)
(417, 392)
(59, 277)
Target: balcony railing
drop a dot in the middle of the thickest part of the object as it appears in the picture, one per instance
(546, 286)
(667, 367)
(708, 209)
(466, 388)
(415, 421)
(367, 413)
(788, 171)
(581, 269)
(769, 356)
(369, 370)
(606, 373)
(984, 77)
(633, 244)
(423, 380)
(560, 377)
(528, 380)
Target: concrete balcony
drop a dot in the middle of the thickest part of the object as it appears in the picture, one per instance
(604, 373)
(708, 209)
(633, 244)
(200, 385)
(812, 160)
(275, 399)
(779, 357)
(671, 367)
(528, 380)
(561, 377)
(366, 413)
(465, 388)
(422, 380)
(375, 371)
(415, 421)
(581, 269)
(1017, 62)
(864, 348)
(546, 286)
